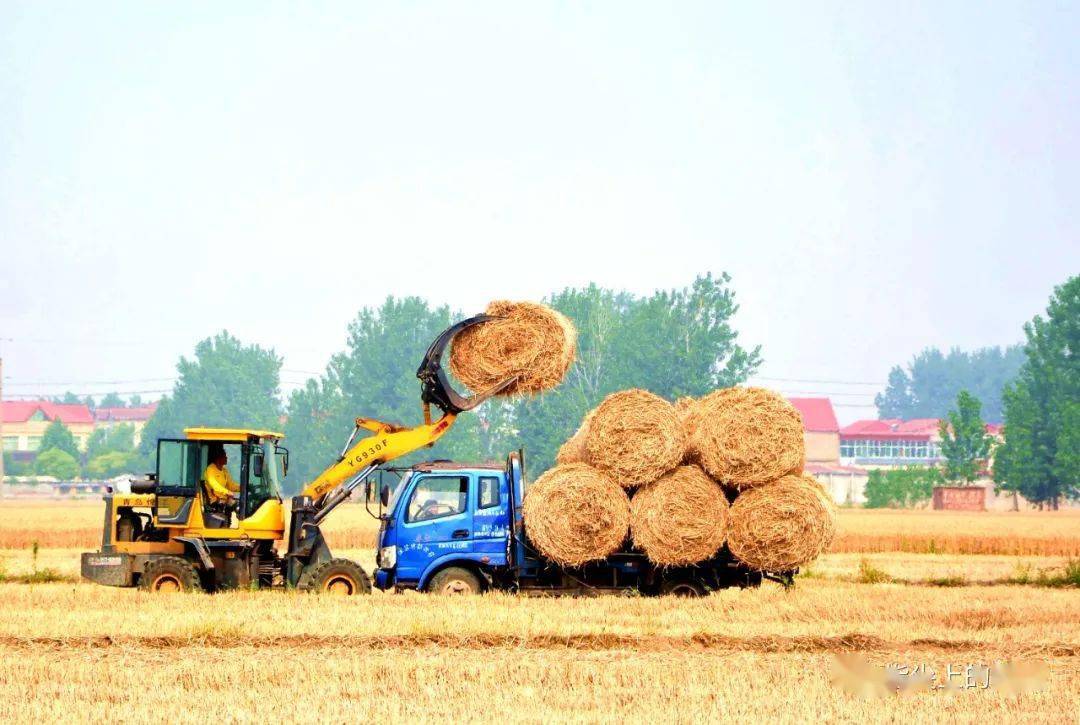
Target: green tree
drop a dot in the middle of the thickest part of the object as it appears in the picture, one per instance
(13, 467)
(964, 442)
(112, 400)
(58, 436)
(135, 401)
(57, 463)
(933, 379)
(901, 487)
(116, 438)
(227, 384)
(68, 398)
(110, 464)
(1040, 458)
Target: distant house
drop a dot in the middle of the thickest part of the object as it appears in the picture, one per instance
(136, 416)
(821, 433)
(892, 442)
(25, 422)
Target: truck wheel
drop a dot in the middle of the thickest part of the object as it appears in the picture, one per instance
(337, 576)
(683, 588)
(454, 580)
(170, 574)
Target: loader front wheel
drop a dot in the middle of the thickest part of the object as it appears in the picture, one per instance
(170, 574)
(337, 576)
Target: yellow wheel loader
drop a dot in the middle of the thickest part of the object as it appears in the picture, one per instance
(167, 534)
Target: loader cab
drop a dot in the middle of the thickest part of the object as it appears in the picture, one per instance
(257, 462)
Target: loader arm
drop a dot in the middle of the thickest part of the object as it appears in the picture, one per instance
(385, 442)
(379, 443)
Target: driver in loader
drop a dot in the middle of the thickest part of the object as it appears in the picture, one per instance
(221, 487)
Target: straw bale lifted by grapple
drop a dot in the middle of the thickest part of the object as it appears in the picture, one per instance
(529, 341)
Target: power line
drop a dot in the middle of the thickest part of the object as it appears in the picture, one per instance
(27, 383)
(817, 382)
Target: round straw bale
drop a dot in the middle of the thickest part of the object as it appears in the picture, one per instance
(746, 437)
(575, 514)
(573, 450)
(635, 436)
(781, 525)
(531, 341)
(680, 518)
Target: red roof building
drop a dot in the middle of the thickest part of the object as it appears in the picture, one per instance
(21, 411)
(25, 422)
(821, 432)
(817, 414)
(137, 414)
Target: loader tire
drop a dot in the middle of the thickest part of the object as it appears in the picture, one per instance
(454, 580)
(337, 576)
(170, 574)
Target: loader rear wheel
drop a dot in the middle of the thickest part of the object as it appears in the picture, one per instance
(337, 576)
(454, 580)
(170, 574)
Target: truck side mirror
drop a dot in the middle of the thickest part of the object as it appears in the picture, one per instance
(384, 496)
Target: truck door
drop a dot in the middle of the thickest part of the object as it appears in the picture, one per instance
(491, 516)
(436, 520)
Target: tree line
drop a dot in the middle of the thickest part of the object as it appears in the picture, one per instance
(674, 343)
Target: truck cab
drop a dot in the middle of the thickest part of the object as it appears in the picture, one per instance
(457, 528)
(445, 515)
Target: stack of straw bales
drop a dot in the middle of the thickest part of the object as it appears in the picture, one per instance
(678, 466)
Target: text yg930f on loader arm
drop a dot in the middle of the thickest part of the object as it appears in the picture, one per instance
(167, 535)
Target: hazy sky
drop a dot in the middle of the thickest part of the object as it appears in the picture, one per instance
(875, 179)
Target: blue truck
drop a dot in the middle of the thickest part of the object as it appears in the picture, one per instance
(457, 528)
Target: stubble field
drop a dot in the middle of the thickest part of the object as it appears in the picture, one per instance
(75, 650)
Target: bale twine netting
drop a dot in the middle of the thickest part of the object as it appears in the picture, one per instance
(576, 514)
(635, 436)
(782, 525)
(746, 437)
(530, 341)
(680, 518)
(573, 450)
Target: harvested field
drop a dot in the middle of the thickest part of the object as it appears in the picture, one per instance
(71, 650)
(1016, 533)
(417, 657)
(77, 524)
